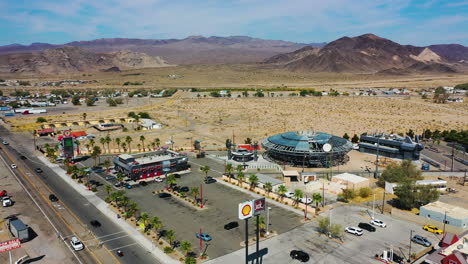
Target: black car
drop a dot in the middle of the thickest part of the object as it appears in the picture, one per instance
(95, 223)
(176, 175)
(93, 182)
(175, 188)
(184, 189)
(23, 157)
(231, 225)
(165, 195)
(38, 170)
(143, 183)
(210, 180)
(299, 255)
(53, 198)
(367, 227)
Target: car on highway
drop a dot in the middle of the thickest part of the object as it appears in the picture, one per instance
(433, 229)
(231, 225)
(5, 143)
(158, 179)
(354, 230)
(367, 227)
(299, 255)
(289, 194)
(203, 236)
(76, 244)
(95, 223)
(421, 240)
(13, 166)
(378, 222)
(165, 195)
(210, 180)
(38, 170)
(306, 200)
(53, 198)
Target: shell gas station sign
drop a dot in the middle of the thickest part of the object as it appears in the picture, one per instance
(246, 210)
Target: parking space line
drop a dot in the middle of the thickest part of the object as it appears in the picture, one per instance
(129, 245)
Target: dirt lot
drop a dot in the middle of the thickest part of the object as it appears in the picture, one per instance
(46, 243)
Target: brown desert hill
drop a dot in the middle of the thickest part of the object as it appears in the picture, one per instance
(451, 52)
(72, 59)
(190, 50)
(363, 54)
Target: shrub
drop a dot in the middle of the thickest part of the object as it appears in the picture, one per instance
(160, 242)
(94, 189)
(349, 193)
(80, 181)
(41, 120)
(168, 250)
(365, 192)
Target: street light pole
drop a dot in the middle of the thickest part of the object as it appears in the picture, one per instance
(377, 160)
(268, 220)
(409, 255)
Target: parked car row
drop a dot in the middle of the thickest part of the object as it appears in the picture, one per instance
(366, 226)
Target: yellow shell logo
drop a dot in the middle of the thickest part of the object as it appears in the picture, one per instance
(246, 210)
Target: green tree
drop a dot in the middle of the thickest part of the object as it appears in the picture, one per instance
(144, 219)
(106, 165)
(228, 143)
(229, 169)
(96, 154)
(170, 235)
(241, 177)
(117, 142)
(355, 139)
(336, 230)
(411, 195)
(190, 260)
(142, 139)
(349, 194)
(108, 140)
(171, 179)
(157, 141)
(92, 143)
(396, 173)
(298, 194)
(261, 224)
(205, 169)
(194, 192)
(248, 141)
(90, 101)
(156, 223)
(185, 247)
(282, 190)
(132, 210)
(365, 192)
(120, 176)
(345, 136)
(84, 116)
(111, 102)
(253, 180)
(75, 100)
(323, 224)
(108, 189)
(129, 140)
(103, 143)
(410, 133)
(440, 95)
(317, 198)
(268, 187)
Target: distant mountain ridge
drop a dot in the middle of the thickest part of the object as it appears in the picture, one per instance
(73, 59)
(369, 53)
(190, 50)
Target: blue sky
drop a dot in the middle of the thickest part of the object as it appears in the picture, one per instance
(421, 22)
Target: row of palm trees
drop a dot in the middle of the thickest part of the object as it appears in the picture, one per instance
(131, 208)
(124, 143)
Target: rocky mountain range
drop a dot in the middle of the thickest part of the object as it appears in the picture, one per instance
(190, 50)
(73, 59)
(372, 54)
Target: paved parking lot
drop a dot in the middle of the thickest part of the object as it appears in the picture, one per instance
(222, 206)
(356, 250)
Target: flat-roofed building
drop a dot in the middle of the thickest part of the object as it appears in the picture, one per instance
(351, 181)
(438, 211)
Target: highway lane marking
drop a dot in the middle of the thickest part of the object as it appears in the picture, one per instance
(123, 246)
(97, 238)
(112, 239)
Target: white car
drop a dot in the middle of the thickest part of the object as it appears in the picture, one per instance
(13, 166)
(378, 223)
(6, 201)
(5, 143)
(289, 194)
(306, 200)
(354, 230)
(76, 244)
(158, 179)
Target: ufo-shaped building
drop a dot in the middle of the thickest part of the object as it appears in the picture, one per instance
(306, 148)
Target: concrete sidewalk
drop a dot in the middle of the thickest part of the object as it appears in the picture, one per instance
(103, 207)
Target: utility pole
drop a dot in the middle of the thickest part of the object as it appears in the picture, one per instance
(377, 160)
(409, 255)
(258, 239)
(445, 221)
(383, 201)
(246, 241)
(373, 208)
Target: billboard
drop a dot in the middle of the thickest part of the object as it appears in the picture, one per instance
(259, 206)
(245, 210)
(9, 245)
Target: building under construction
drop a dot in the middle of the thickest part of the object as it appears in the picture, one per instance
(391, 146)
(306, 149)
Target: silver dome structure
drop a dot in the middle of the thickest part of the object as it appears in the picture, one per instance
(305, 148)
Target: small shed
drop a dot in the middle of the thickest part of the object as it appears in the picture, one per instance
(308, 176)
(351, 181)
(262, 179)
(291, 176)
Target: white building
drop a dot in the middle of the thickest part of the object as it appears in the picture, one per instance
(149, 124)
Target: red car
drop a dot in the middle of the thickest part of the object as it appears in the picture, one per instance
(3, 193)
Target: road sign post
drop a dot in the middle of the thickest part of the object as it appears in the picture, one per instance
(245, 212)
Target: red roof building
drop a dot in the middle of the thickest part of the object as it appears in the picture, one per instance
(79, 134)
(454, 250)
(45, 131)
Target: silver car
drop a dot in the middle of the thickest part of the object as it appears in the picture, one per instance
(354, 230)
(421, 240)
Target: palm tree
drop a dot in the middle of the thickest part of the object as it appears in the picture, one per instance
(108, 189)
(205, 169)
(74, 170)
(139, 147)
(298, 194)
(78, 143)
(239, 168)
(103, 142)
(117, 141)
(129, 140)
(153, 145)
(185, 247)
(124, 146)
(132, 210)
(142, 139)
(156, 223)
(87, 148)
(157, 142)
(144, 218)
(282, 190)
(171, 179)
(190, 260)
(194, 192)
(107, 164)
(170, 234)
(108, 141)
(261, 224)
(241, 177)
(229, 169)
(268, 187)
(96, 154)
(84, 116)
(253, 179)
(317, 198)
(92, 142)
(124, 202)
(120, 176)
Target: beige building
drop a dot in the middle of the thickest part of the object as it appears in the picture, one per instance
(351, 181)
